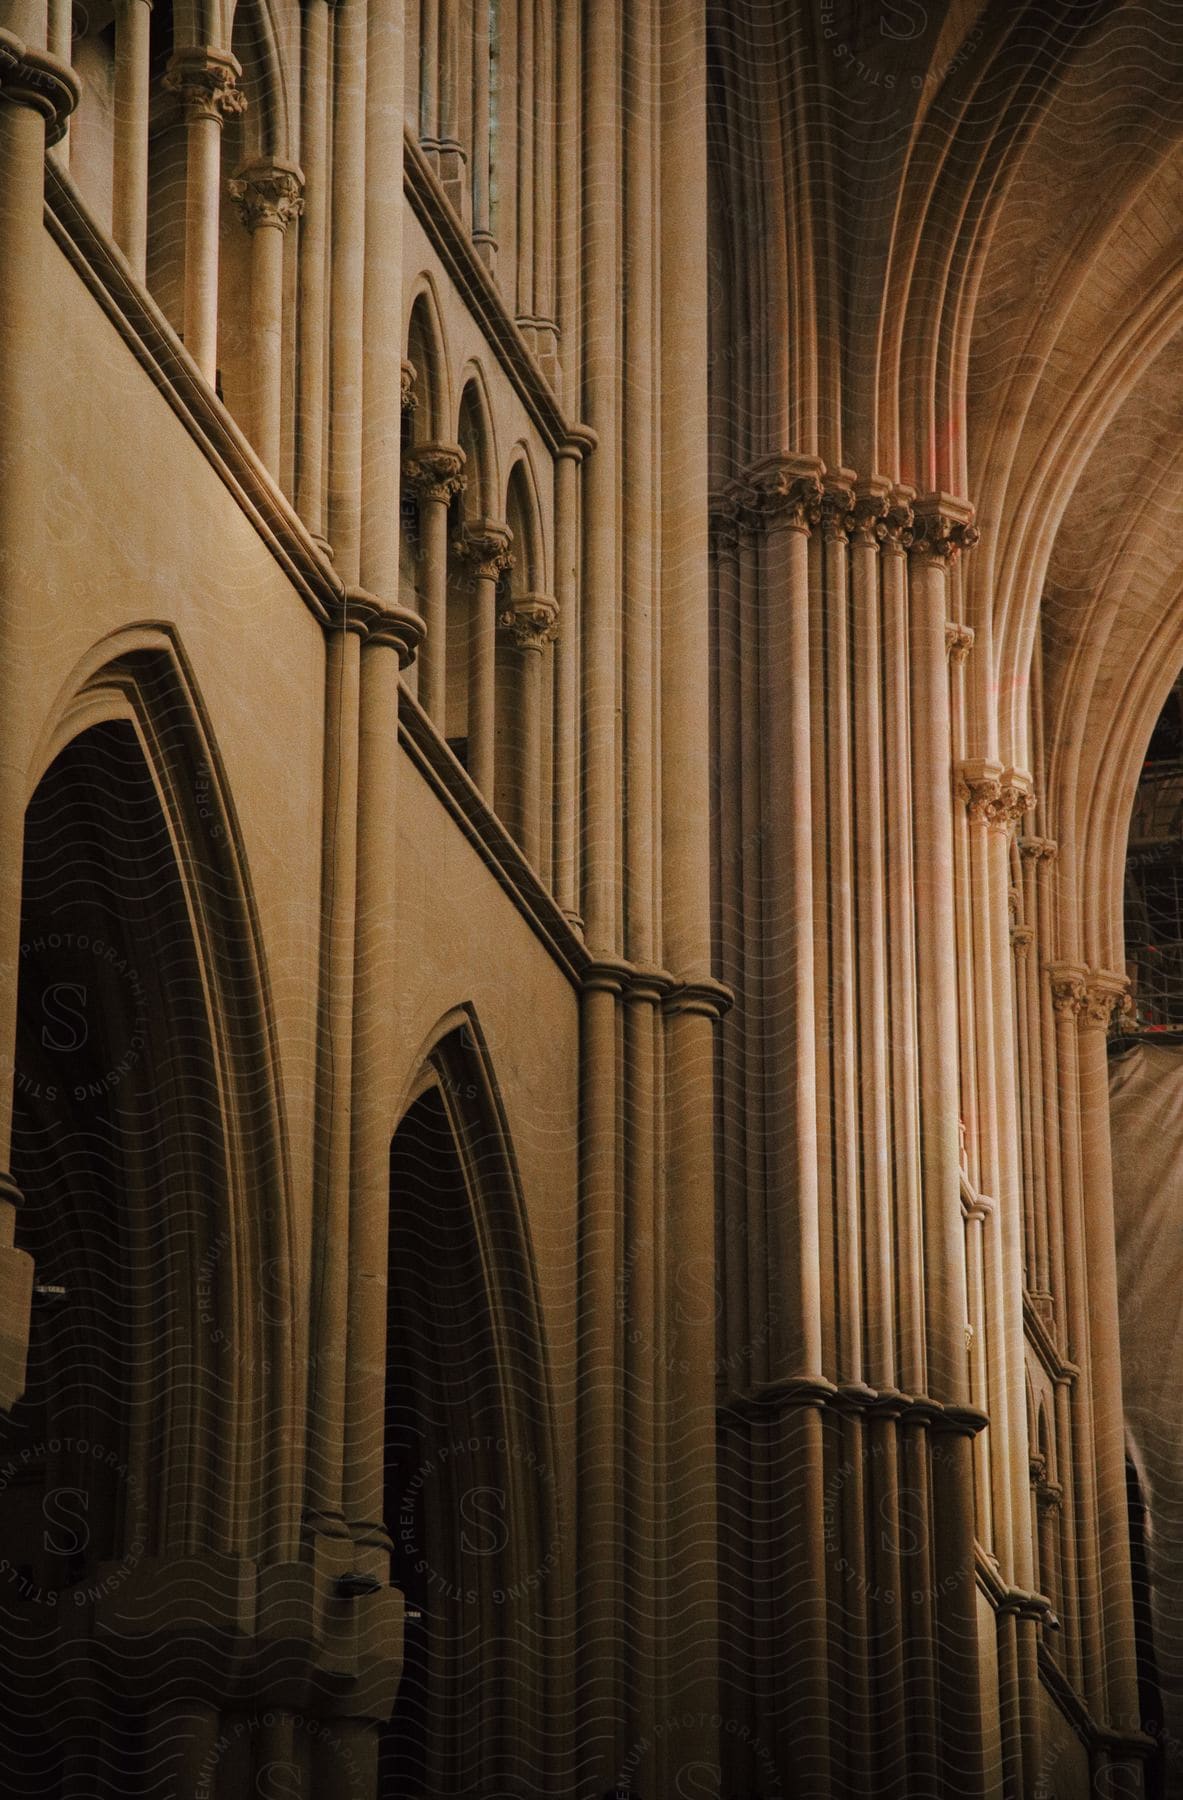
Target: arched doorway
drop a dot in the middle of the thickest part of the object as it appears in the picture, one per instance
(471, 1495)
(146, 1374)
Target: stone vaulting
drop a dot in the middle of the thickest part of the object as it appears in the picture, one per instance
(585, 586)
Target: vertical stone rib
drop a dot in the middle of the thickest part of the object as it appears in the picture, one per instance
(129, 191)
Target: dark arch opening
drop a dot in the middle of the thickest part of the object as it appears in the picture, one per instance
(465, 1490)
(117, 1152)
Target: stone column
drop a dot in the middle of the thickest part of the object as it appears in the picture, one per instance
(310, 317)
(129, 196)
(485, 548)
(37, 95)
(530, 624)
(482, 235)
(566, 851)
(1102, 993)
(206, 83)
(942, 528)
(1066, 982)
(435, 473)
(268, 193)
(347, 285)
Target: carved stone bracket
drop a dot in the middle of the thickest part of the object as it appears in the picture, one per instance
(435, 471)
(268, 192)
(31, 78)
(408, 378)
(959, 641)
(485, 547)
(942, 528)
(531, 622)
(205, 81)
(1022, 937)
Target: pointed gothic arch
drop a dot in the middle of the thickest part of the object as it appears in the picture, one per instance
(472, 1501)
(148, 1139)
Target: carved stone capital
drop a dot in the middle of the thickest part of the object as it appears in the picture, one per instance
(997, 796)
(1038, 850)
(959, 641)
(942, 528)
(435, 471)
(837, 507)
(531, 622)
(786, 490)
(205, 81)
(268, 192)
(979, 786)
(898, 521)
(408, 379)
(32, 78)
(1104, 993)
(1021, 938)
(1068, 989)
(872, 499)
(484, 546)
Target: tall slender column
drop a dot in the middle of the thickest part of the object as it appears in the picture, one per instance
(545, 336)
(450, 155)
(485, 548)
(870, 899)
(566, 809)
(788, 496)
(347, 262)
(330, 1247)
(1103, 992)
(837, 523)
(206, 83)
(912, 1371)
(429, 78)
(37, 95)
(524, 125)
(382, 295)
(601, 377)
(268, 193)
(1068, 998)
(129, 197)
(567, 234)
(482, 235)
(531, 624)
(436, 474)
(942, 529)
(787, 493)
(310, 363)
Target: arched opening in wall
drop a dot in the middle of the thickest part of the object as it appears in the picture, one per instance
(118, 1150)
(1146, 1119)
(470, 1499)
